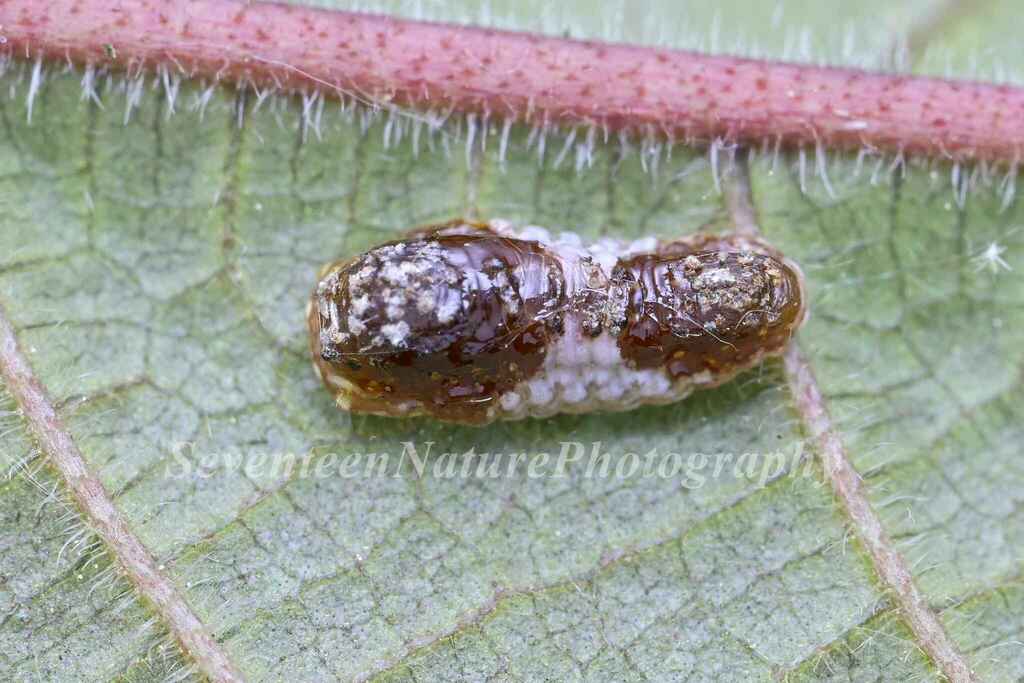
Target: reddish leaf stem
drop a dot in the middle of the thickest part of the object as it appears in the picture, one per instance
(528, 78)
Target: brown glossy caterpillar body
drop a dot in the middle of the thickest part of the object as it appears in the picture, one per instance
(471, 322)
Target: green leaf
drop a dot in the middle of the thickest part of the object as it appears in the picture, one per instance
(157, 273)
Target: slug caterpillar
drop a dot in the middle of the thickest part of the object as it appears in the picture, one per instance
(474, 322)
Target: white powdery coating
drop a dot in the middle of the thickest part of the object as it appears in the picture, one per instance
(396, 333)
(583, 374)
(606, 251)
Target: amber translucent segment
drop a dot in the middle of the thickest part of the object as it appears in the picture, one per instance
(448, 321)
(707, 311)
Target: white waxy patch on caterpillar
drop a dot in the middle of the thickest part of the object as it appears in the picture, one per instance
(583, 374)
(396, 333)
(472, 322)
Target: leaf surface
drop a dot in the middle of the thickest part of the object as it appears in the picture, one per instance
(157, 272)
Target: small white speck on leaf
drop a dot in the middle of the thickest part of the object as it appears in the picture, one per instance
(991, 259)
